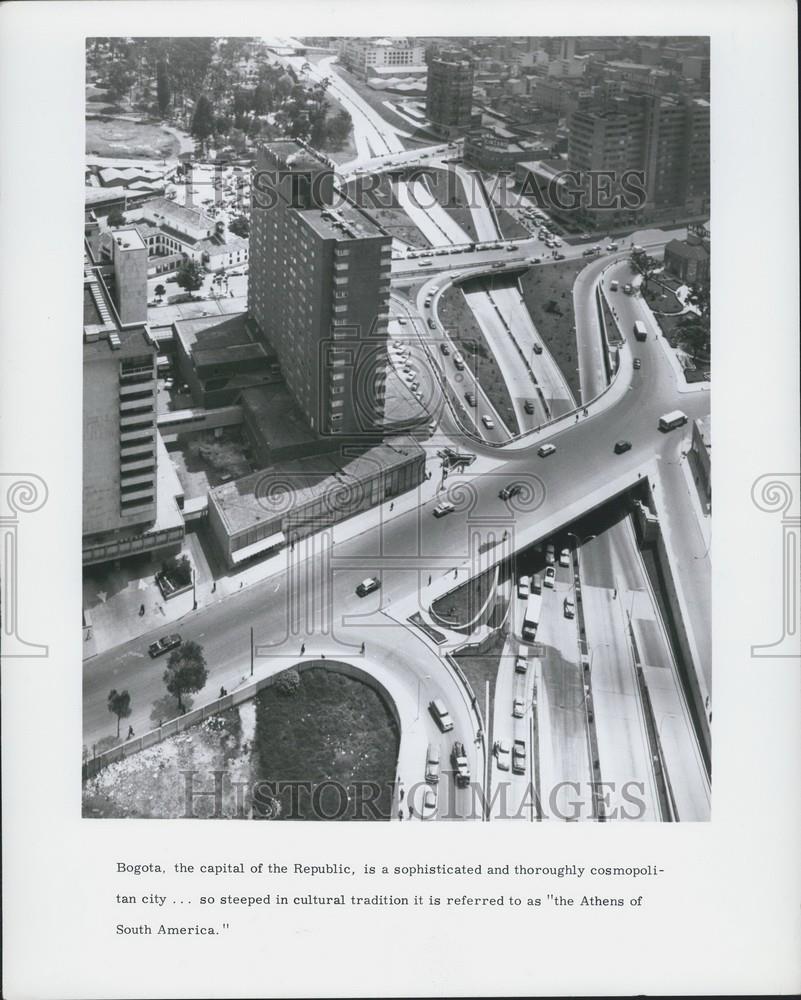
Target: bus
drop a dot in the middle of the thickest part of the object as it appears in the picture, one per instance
(531, 618)
(639, 330)
(673, 419)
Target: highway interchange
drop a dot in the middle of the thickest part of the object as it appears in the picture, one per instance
(641, 732)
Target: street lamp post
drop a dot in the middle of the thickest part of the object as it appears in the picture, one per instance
(194, 591)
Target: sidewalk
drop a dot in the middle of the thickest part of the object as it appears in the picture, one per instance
(113, 597)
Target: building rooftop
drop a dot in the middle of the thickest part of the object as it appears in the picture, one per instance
(179, 213)
(280, 420)
(690, 251)
(129, 239)
(273, 492)
(206, 332)
(345, 222)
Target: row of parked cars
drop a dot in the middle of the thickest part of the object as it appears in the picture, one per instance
(516, 755)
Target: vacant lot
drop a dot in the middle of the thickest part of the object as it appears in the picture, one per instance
(118, 137)
(330, 728)
(548, 293)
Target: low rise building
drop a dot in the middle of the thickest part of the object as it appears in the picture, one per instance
(501, 147)
(218, 357)
(688, 259)
(266, 510)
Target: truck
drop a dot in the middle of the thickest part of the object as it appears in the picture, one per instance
(639, 330)
(531, 618)
(676, 418)
(460, 765)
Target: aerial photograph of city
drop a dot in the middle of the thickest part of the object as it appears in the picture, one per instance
(397, 429)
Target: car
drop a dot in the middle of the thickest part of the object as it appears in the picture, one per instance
(485, 420)
(518, 708)
(432, 325)
(426, 802)
(621, 446)
(402, 320)
(471, 399)
(164, 644)
(564, 557)
(614, 285)
(611, 246)
(550, 576)
(367, 586)
(588, 252)
(524, 586)
(550, 555)
(637, 364)
(537, 347)
(521, 660)
(440, 715)
(528, 406)
(432, 763)
(502, 752)
(445, 349)
(510, 491)
(546, 449)
(427, 302)
(519, 757)
(569, 608)
(536, 584)
(559, 256)
(424, 263)
(443, 508)
(627, 288)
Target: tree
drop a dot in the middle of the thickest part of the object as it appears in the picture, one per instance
(163, 87)
(203, 119)
(160, 292)
(240, 226)
(693, 327)
(178, 570)
(186, 671)
(287, 682)
(116, 218)
(190, 275)
(642, 263)
(119, 704)
(118, 81)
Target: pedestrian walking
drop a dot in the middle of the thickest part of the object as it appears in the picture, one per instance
(362, 649)
(130, 731)
(302, 648)
(429, 579)
(214, 586)
(392, 506)
(614, 594)
(402, 793)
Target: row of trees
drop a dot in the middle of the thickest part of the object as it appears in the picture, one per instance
(186, 673)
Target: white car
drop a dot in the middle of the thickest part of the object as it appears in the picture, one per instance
(564, 557)
(487, 422)
(550, 555)
(443, 508)
(427, 802)
(503, 753)
(524, 586)
(546, 449)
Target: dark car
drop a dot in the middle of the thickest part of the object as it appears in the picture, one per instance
(510, 491)
(432, 324)
(368, 586)
(622, 446)
(637, 363)
(470, 397)
(528, 406)
(445, 349)
(164, 644)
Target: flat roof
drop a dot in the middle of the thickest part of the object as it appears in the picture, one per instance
(128, 239)
(274, 492)
(213, 331)
(345, 222)
(279, 418)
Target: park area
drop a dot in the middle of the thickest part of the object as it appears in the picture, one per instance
(548, 294)
(128, 139)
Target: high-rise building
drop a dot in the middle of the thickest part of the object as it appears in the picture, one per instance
(449, 93)
(665, 137)
(319, 289)
(129, 498)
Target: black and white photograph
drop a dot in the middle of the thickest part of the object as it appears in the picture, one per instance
(363, 542)
(397, 428)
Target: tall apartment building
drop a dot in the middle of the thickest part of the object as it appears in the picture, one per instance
(449, 93)
(129, 502)
(370, 57)
(666, 137)
(319, 289)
